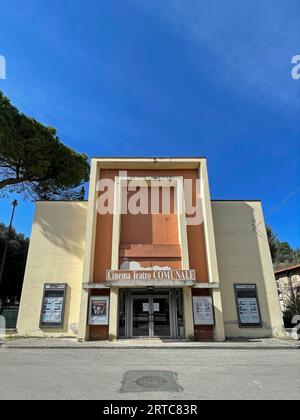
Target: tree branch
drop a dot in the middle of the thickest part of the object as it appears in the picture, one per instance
(9, 181)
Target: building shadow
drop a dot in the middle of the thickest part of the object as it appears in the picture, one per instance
(63, 226)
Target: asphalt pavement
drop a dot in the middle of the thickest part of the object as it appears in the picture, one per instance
(164, 374)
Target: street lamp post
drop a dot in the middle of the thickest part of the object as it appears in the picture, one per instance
(14, 204)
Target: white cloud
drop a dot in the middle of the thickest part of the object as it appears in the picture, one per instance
(252, 42)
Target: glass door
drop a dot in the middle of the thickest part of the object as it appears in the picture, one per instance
(140, 316)
(151, 316)
(161, 317)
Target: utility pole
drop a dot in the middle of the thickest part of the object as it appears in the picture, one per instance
(14, 204)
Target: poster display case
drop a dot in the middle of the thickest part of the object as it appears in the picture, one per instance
(203, 310)
(247, 305)
(53, 306)
(99, 310)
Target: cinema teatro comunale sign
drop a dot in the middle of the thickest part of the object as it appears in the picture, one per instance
(151, 277)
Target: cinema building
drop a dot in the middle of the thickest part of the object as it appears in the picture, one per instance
(149, 255)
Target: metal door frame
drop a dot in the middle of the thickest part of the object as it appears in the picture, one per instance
(172, 309)
(145, 297)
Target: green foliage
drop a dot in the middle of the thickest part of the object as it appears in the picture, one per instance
(34, 162)
(15, 262)
(282, 253)
(273, 242)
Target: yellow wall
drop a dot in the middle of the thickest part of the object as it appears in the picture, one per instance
(244, 257)
(55, 256)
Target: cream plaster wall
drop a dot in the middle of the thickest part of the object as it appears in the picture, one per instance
(244, 257)
(89, 251)
(55, 255)
(211, 252)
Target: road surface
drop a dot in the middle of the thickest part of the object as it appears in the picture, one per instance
(99, 374)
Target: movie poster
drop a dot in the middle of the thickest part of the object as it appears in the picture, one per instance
(248, 310)
(248, 306)
(203, 310)
(98, 311)
(52, 310)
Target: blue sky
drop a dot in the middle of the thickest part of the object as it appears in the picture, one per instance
(166, 78)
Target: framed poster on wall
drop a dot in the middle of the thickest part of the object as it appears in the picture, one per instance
(247, 305)
(203, 310)
(99, 310)
(53, 306)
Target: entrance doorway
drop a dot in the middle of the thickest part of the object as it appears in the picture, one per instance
(151, 316)
(148, 313)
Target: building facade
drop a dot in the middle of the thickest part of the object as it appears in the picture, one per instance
(149, 255)
(288, 284)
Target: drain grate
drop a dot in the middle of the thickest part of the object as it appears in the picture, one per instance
(150, 381)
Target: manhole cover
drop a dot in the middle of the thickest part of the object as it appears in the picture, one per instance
(151, 381)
